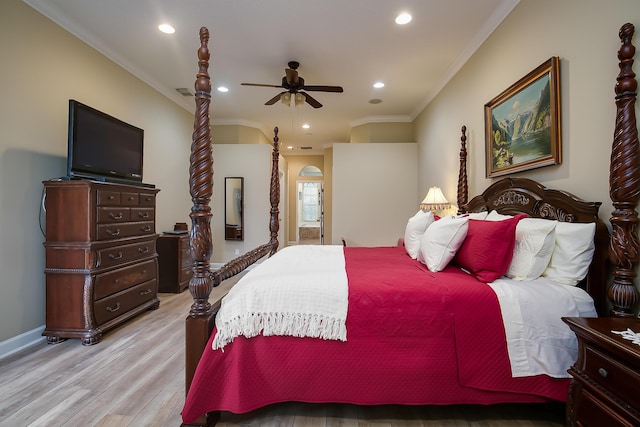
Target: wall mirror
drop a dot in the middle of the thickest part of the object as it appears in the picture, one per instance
(233, 208)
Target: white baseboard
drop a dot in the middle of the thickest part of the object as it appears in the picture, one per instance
(21, 342)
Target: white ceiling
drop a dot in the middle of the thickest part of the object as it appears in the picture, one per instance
(350, 43)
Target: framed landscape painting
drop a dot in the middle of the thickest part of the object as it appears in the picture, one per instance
(522, 124)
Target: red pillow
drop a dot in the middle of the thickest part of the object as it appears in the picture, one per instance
(487, 251)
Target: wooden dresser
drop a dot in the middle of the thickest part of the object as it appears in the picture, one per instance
(605, 390)
(101, 261)
(175, 262)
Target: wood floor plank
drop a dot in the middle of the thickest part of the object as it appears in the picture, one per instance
(135, 377)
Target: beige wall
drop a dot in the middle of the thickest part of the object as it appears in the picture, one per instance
(385, 132)
(328, 194)
(374, 192)
(584, 34)
(253, 163)
(237, 134)
(43, 66)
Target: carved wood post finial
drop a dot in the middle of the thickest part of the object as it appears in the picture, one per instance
(624, 184)
(463, 188)
(201, 186)
(274, 196)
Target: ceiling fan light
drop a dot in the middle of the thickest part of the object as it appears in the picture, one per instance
(285, 98)
(299, 99)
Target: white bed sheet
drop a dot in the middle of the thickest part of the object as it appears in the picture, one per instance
(538, 341)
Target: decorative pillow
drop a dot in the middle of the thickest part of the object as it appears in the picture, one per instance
(535, 240)
(495, 216)
(572, 253)
(476, 215)
(487, 251)
(414, 230)
(441, 241)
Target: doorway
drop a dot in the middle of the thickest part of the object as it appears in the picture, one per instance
(310, 213)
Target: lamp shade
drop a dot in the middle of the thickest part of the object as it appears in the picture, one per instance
(434, 200)
(299, 99)
(285, 98)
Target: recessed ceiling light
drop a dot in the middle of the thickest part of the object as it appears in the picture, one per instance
(378, 85)
(375, 101)
(403, 18)
(166, 28)
(305, 126)
(223, 89)
(289, 147)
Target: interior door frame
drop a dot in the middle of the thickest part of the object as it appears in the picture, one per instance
(320, 202)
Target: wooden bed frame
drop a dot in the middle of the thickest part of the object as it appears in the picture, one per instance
(509, 195)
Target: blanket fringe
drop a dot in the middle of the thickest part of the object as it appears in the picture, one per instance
(289, 324)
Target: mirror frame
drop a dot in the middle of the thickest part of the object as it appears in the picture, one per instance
(233, 231)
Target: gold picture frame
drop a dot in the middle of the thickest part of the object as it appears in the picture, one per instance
(522, 124)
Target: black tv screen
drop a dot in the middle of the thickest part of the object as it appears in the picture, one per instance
(102, 147)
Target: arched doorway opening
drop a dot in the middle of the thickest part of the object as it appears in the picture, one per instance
(310, 206)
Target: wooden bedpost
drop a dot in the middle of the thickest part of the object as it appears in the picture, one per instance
(274, 193)
(198, 322)
(463, 188)
(624, 184)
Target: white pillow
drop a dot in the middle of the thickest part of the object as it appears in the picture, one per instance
(441, 241)
(535, 241)
(572, 253)
(495, 216)
(414, 230)
(478, 215)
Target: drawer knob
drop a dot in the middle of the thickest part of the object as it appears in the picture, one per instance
(146, 292)
(114, 308)
(144, 250)
(116, 256)
(143, 214)
(145, 229)
(111, 197)
(110, 232)
(603, 372)
(114, 216)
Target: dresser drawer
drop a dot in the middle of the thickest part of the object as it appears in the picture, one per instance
(108, 198)
(147, 199)
(123, 278)
(124, 253)
(117, 231)
(613, 376)
(185, 256)
(113, 306)
(594, 413)
(112, 215)
(185, 274)
(143, 214)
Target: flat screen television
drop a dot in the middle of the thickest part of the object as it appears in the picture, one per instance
(102, 147)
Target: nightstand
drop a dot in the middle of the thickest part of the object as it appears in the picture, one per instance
(605, 390)
(174, 263)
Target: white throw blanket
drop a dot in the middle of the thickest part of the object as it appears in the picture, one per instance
(538, 341)
(272, 300)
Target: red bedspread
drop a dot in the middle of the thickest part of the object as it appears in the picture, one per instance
(413, 337)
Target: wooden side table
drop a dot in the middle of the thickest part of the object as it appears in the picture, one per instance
(174, 262)
(605, 390)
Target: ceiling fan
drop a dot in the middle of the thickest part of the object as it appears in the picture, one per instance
(294, 84)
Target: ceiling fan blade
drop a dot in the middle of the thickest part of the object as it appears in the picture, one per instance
(274, 99)
(259, 84)
(323, 88)
(292, 75)
(311, 100)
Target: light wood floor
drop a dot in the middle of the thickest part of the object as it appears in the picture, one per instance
(135, 377)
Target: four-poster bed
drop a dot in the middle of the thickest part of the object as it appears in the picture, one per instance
(240, 383)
